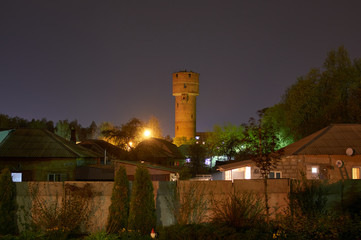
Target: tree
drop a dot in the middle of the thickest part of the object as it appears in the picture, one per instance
(127, 136)
(323, 97)
(62, 129)
(197, 154)
(119, 208)
(154, 126)
(226, 140)
(8, 205)
(261, 141)
(142, 206)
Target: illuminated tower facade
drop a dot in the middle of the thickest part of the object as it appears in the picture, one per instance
(185, 90)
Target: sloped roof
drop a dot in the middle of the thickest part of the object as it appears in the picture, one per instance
(158, 148)
(99, 146)
(40, 143)
(331, 140)
(149, 165)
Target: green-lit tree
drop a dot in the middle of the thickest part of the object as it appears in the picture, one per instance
(8, 205)
(142, 215)
(62, 129)
(226, 140)
(119, 207)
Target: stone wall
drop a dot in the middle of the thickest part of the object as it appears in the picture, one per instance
(212, 190)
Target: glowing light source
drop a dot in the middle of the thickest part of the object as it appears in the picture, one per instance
(247, 174)
(147, 133)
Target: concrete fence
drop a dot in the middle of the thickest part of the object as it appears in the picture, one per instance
(278, 190)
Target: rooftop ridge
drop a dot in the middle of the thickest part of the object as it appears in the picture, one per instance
(314, 139)
(55, 137)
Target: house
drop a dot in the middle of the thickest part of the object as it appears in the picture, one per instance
(107, 150)
(158, 151)
(39, 155)
(333, 153)
(157, 172)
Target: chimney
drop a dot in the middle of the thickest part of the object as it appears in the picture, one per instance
(73, 135)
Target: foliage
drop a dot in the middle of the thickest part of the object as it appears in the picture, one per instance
(62, 216)
(197, 155)
(239, 210)
(321, 97)
(101, 236)
(127, 136)
(308, 198)
(62, 129)
(210, 231)
(226, 140)
(154, 126)
(8, 205)
(7, 122)
(188, 203)
(142, 206)
(261, 143)
(119, 208)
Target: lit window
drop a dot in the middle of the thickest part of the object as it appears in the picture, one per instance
(188, 160)
(228, 175)
(17, 177)
(356, 173)
(197, 137)
(207, 162)
(247, 174)
(314, 170)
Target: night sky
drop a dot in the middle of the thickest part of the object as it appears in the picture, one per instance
(113, 60)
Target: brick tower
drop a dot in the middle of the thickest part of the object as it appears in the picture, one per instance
(185, 90)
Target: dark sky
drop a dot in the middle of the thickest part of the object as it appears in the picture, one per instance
(113, 60)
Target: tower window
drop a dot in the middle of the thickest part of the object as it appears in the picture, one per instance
(176, 75)
(189, 75)
(192, 116)
(177, 105)
(185, 86)
(177, 128)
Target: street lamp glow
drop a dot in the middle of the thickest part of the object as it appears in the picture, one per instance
(147, 133)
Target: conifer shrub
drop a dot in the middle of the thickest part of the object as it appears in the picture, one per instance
(142, 216)
(119, 208)
(8, 205)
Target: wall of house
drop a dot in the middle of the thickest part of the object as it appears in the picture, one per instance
(50, 192)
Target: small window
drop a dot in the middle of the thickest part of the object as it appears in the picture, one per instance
(176, 75)
(17, 177)
(191, 116)
(177, 105)
(189, 75)
(177, 128)
(356, 173)
(54, 177)
(275, 174)
(314, 170)
(184, 86)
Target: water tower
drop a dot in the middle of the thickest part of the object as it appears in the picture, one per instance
(185, 90)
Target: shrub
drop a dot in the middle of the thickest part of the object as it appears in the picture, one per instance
(101, 236)
(119, 208)
(188, 203)
(62, 216)
(142, 206)
(239, 211)
(8, 205)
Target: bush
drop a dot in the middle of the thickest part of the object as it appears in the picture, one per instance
(63, 216)
(142, 206)
(188, 203)
(119, 208)
(239, 211)
(101, 236)
(8, 205)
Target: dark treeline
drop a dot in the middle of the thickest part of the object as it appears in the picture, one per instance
(62, 127)
(327, 95)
